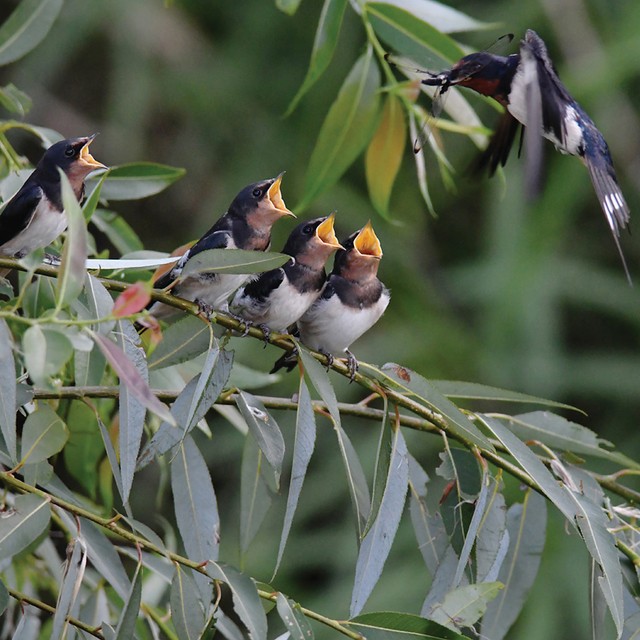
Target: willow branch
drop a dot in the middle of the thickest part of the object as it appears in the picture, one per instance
(43, 606)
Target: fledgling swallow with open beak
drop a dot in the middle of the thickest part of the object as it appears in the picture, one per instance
(352, 301)
(245, 225)
(527, 85)
(277, 298)
(34, 217)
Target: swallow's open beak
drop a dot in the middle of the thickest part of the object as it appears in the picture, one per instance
(367, 242)
(87, 159)
(275, 197)
(326, 233)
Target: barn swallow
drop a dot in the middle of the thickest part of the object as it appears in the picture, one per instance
(35, 217)
(246, 225)
(277, 298)
(352, 301)
(527, 85)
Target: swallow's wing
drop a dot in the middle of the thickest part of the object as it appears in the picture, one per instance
(17, 215)
(267, 282)
(500, 143)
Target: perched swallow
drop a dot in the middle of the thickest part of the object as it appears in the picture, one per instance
(352, 301)
(527, 85)
(277, 298)
(246, 225)
(34, 217)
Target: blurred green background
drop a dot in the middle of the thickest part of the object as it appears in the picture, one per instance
(532, 298)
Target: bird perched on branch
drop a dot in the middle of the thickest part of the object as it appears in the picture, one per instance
(246, 225)
(34, 217)
(277, 298)
(352, 301)
(528, 86)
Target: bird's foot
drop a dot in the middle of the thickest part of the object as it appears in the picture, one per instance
(52, 259)
(329, 358)
(247, 323)
(352, 366)
(266, 333)
(205, 309)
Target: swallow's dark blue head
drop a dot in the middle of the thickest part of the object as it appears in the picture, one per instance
(313, 238)
(261, 203)
(72, 156)
(483, 72)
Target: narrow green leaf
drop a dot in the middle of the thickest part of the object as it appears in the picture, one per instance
(442, 582)
(7, 390)
(45, 353)
(73, 574)
(319, 378)
(410, 36)
(294, 620)
(90, 205)
(474, 391)
(417, 387)
(72, 270)
(131, 407)
(430, 532)
(304, 444)
(324, 45)
(127, 620)
(464, 606)
(472, 530)
(493, 538)
(346, 130)
(44, 434)
(440, 16)
(22, 524)
(526, 524)
(182, 341)
(26, 27)
(384, 154)
(376, 544)
(195, 503)
(14, 100)
(84, 449)
(101, 551)
(139, 180)
(117, 230)
(111, 456)
(169, 435)
(130, 376)
(187, 613)
(246, 601)
(233, 261)
(257, 487)
(264, 428)
(4, 597)
(288, 6)
(383, 459)
(564, 435)
(389, 625)
(533, 466)
(593, 525)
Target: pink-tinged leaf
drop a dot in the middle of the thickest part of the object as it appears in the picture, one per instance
(133, 299)
(130, 376)
(384, 154)
(346, 130)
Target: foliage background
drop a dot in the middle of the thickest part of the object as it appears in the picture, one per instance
(528, 298)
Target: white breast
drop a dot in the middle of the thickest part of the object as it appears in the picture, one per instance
(45, 226)
(284, 306)
(333, 327)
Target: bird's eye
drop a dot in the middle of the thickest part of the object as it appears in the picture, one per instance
(257, 193)
(308, 229)
(69, 152)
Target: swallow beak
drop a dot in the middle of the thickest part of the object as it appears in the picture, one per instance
(87, 159)
(367, 243)
(326, 234)
(275, 198)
